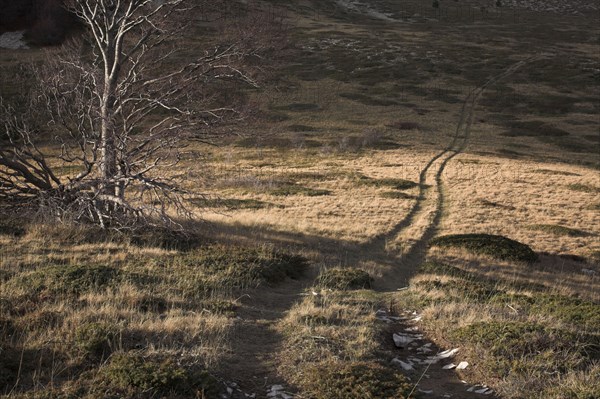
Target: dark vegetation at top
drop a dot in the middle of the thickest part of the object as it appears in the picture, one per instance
(46, 21)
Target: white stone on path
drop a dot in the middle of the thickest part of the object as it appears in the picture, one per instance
(462, 365)
(404, 365)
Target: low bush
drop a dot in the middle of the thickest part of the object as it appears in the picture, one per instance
(150, 377)
(345, 279)
(167, 239)
(558, 230)
(239, 266)
(296, 189)
(583, 188)
(94, 339)
(498, 247)
(355, 380)
(397, 195)
(66, 279)
(396, 184)
(527, 347)
(10, 229)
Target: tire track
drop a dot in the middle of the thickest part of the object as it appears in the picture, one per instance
(415, 255)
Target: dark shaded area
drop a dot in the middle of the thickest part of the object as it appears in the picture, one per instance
(46, 21)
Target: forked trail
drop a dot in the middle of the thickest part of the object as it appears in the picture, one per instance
(427, 209)
(257, 342)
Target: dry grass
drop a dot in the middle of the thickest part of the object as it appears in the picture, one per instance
(67, 305)
(525, 197)
(337, 215)
(342, 113)
(332, 347)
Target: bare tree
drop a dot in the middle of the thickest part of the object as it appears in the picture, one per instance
(121, 100)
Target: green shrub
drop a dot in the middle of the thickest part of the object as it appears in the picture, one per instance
(8, 229)
(345, 279)
(583, 188)
(167, 239)
(525, 347)
(231, 203)
(295, 189)
(555, 172)
(578, 312)
(397, 195)
(558, 230)
(396, 184)
(498, 247)
(94, 339)
(239, 266)
(67, 279)
(152, 377)
(465, 289)
(220, 307)
(355, 380)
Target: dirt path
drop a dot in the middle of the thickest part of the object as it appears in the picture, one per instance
(431, 367)
(430, 202)
(256, 343)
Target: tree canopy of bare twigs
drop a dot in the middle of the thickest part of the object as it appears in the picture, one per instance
(115, 107)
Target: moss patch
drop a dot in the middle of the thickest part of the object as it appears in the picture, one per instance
(231, 203)
(237, 266)
(498, 247)
(555, 172)
(295, 189)
(345, 279)
(368, 380)
(397, 195)
(396, 184)
(558, 230)
(583, 188)
(149, 377)
(94, 339)
(67, 279)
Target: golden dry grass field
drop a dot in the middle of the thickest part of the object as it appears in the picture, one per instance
(420, 180)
